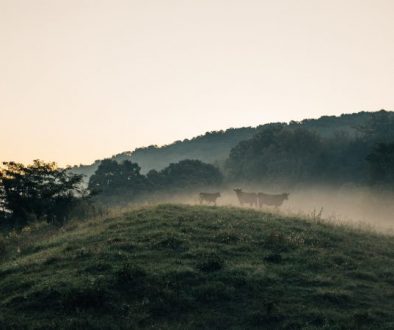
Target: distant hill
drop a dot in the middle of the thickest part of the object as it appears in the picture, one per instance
(192, 267)
(214, 147)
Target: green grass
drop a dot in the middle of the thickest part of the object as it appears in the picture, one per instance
(193, 267)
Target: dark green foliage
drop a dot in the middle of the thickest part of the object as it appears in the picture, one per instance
(379, 128)
(116, 183)
(187, 174)
(273, 273)
(214, 147)
(295, 153)
(113, 178)
(381, 164)
(39, 191)
(278, 153)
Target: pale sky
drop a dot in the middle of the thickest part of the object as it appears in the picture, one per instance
(82, 80)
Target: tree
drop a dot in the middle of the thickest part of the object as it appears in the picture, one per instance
(277, 153)
(381, 163)
(39, 191)
(186, 174)
(379, 128)
(118, 179)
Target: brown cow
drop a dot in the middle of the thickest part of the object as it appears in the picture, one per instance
(209, 197)
(246, 197)
(272, 200)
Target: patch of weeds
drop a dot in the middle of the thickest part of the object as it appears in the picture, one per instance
(274, 258)
(387, 276)
(213, 291)
(362, 276)
(210, 263)
(114, 240)
(70, 227)
(267, 317)
(82, 253)
(85, 298)
(131, 278)
(125, 246)
(98, 268)
(69, 248)
(169, 302)
(227, 237)
(362, 320)
(172, 243)
(46, 298)
(52, 260)
(336, 297)
(276, 241)
(340, 260)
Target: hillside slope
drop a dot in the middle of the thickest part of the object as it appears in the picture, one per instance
(214, 147)
(192, 267)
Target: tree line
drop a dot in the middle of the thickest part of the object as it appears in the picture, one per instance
(279, 154)
(123, 182)
(42, 191)
(292, 154)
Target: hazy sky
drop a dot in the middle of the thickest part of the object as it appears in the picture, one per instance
(81, 80)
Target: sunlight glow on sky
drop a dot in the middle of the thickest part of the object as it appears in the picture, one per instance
(82, 80)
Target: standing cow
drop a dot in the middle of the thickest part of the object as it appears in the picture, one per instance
(272, 200)
(209, 197)
(246, 197)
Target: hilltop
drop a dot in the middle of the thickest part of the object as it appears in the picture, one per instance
(196, 267)
(214, 147)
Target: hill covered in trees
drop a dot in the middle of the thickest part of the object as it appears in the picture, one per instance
(214, 147)
(301, 153)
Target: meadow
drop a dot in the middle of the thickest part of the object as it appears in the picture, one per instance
(175, 266)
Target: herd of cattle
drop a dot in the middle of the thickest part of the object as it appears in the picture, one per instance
(248, 198)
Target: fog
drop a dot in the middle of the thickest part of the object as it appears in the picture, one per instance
(359, 207)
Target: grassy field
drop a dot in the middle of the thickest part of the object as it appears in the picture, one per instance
(193, 267)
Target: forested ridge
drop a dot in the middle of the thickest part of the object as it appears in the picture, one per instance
(214, 147)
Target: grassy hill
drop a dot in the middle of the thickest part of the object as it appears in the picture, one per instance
(193, 267)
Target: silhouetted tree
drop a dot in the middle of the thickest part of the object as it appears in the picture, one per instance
(186, 174)
(113, 178)
(39, 191)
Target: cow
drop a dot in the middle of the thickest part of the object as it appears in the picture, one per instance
(209, 197)
(246, 197)
(272, 200)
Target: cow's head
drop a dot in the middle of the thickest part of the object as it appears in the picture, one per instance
(238, 190)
